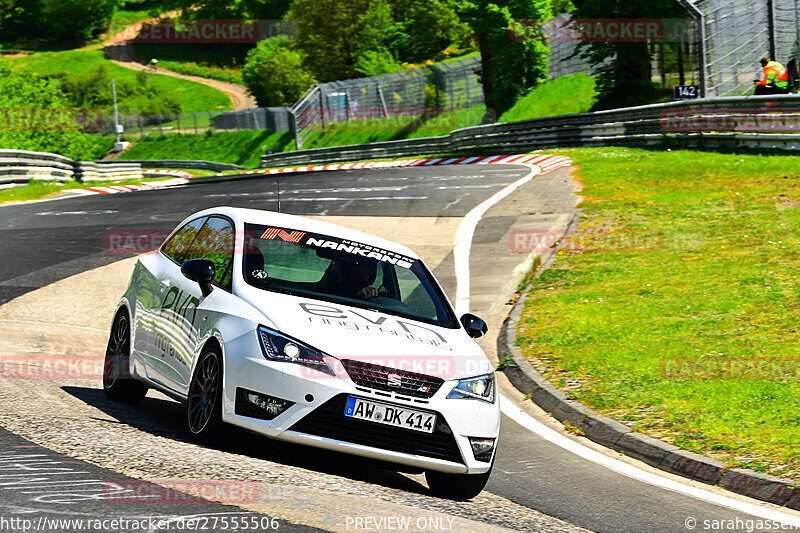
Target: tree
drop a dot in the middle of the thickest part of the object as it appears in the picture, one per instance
(275, 73)
(510, 67)
(333, 34)
(622, 69)
(73, 20)
(229, 9)
(425, 28)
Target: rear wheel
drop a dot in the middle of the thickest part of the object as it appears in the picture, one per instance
(118, 384)
(204, 405)
(457, 486)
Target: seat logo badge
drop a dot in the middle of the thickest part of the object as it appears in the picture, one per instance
(393, 380)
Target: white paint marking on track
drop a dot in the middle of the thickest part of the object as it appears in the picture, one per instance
(461, 251)
(463, 241)
(522, 418)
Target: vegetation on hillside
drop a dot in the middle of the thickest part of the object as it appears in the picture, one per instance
(38, 117)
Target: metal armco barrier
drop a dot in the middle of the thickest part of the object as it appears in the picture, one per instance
(183, 163)
(771, 122)
(18, 167)
(107, 171)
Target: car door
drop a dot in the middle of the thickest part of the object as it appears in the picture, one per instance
(184, 305)
(150, 326)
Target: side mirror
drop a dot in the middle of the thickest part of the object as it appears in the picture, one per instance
(475, 326)
(200, 271)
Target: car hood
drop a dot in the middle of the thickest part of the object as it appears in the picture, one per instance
(366, 335)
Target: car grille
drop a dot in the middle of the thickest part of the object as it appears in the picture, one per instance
(328, 421)
(403, 382)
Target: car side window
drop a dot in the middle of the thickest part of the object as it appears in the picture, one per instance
(179, 244)
(215, 243)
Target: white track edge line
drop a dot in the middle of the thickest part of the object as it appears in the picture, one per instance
(531, 424)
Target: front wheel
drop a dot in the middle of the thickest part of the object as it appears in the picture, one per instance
(118, 384)
(204, 406)
(457, 486)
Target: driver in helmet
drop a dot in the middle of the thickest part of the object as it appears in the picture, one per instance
(353, 278)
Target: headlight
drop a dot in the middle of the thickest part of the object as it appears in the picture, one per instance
(278, 347)
(480, 388)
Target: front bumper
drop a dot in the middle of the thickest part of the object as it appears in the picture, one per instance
(316, 417)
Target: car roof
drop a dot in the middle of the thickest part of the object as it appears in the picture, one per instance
(271, 218)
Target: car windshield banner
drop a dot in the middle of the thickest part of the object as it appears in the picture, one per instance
(326, 242)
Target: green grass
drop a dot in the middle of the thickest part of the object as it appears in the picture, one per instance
(243, 148)
(131, 13)
(682, 258)
(217, 61)
(194, 96)
(393, 128)
(562, 96)
(38, 189)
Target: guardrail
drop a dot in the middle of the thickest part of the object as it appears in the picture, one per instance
(735, 122)
(18, 167)
(106, 171)
(183, 163)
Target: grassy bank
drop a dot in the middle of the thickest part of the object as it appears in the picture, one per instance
(38, 189)
(562, 96)
(681, 282)
(83, 64)
(239, 147)
(217, 61)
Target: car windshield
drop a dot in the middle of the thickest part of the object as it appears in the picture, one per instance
(338, 270)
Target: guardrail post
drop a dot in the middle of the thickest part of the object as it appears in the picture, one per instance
(321, 108)
(293, 127)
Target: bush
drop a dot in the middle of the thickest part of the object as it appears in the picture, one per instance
(94, 91)
(376, 62)
(42, 99)
(274, 73)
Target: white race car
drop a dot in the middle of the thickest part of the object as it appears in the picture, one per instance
(311, 333)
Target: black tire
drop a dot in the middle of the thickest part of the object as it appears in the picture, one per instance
(457, 486)
(204, 403)
(118, 384)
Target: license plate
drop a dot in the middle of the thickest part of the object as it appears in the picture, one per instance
(391, 415)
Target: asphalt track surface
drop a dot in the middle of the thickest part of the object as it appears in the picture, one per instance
(47, 241)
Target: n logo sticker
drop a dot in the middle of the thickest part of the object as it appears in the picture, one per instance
(273, 233)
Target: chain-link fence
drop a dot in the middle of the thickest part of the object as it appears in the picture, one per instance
(674, 54)
(411, 93)
(737, 33)
(275, 119)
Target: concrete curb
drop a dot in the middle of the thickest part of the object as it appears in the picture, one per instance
(612, 434)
